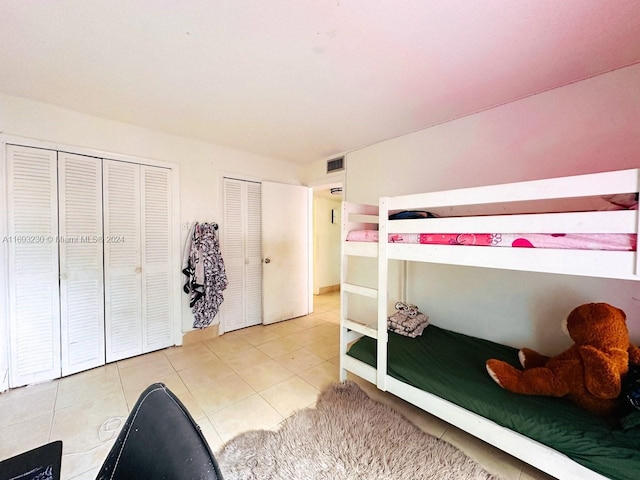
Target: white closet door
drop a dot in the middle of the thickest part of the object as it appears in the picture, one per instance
(122, 260)
(242, 253)
(253, 252)
(234, 306)
(81, 268)
(33, 265)
(157, 294)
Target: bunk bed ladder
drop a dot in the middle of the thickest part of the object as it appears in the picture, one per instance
(351, 330)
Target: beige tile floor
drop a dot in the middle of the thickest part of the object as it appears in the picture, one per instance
(247, 379)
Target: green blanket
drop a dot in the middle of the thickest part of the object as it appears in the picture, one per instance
(452, 366)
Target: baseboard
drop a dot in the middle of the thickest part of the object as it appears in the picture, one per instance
(329, 289)
(200, 335)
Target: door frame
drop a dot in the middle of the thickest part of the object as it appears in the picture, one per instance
(4, 273)
(329, 181)
(91, 152)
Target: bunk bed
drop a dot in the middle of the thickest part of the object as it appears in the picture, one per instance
(547, 433)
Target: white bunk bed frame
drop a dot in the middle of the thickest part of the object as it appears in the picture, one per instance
(605, 264)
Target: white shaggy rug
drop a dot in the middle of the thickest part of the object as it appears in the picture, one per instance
(347, 436)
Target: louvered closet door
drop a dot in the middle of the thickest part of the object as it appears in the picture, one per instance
(33, 265)
(242, 252)
(234, 308)
(157, 306)
(81, 267)
(122, 260)
(253, 251)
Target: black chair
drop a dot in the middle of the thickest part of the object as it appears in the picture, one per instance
(160, 440)
(42, 463)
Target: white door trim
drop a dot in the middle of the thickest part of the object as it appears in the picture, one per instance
(4, 273)
(310, 255)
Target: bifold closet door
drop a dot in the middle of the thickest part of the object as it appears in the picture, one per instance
(242, 252)
(122, 260)
(138, 257)
(157, 290)
(33, 265)
(81, 262)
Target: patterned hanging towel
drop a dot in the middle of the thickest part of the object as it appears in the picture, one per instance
(194, 283)
(208, 277)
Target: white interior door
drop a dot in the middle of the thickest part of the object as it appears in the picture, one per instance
(34, 295)
(157, 289)
(241, 245)
(81, 262)
(286, 251)
(253, 251)
(233, 308)
(122, 260)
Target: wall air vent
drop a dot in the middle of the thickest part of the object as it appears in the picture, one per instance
(335, 165)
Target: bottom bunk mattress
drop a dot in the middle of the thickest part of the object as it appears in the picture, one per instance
(452, 366)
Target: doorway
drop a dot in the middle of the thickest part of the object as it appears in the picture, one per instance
(327, 210)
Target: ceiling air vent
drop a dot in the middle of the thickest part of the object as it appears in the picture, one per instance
(335, 165)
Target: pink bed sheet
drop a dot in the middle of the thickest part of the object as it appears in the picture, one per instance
(597, 241)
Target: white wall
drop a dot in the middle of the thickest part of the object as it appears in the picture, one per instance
(584, 127)
(202, 165)
(326, 243)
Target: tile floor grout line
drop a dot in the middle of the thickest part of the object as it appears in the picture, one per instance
(53, 413)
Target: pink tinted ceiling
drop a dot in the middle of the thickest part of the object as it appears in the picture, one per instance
(304, 79)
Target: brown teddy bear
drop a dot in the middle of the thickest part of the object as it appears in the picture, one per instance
(589, 372)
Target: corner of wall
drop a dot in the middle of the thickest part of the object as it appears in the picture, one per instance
(4, 326)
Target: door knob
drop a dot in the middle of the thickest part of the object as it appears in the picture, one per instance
(267, 260)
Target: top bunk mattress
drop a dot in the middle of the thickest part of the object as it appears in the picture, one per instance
(452, 366)
(596, 241)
